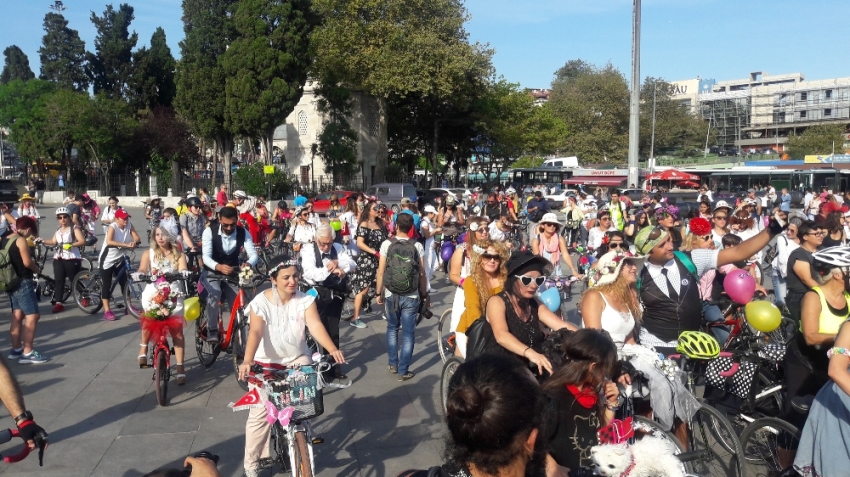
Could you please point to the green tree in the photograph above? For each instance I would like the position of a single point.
(390, 48)
(266, 66)
(63, 110)
(153, 83)
(337, 143)
(62, 54)
(254, 181)
(22, 110)
(17, 66)
(201, 79)
(821, 139)
(528, 162)
(594, 104)
(675, 126)
(164, 143)
(111, 66)
(105, 125)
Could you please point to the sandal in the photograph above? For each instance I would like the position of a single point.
(143, 361)
(181, 377)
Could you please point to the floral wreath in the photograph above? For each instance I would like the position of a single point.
(665, 210)
(479, 249)
(596, 274)
(699, 226)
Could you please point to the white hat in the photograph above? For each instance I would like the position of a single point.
(154, 197)
(429, 209)
(550, 218)
(721, 204)
(607, 268)
(240, 194)
(510, 191)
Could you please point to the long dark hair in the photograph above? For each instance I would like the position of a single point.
(364, 214)
(580, 349)
(492, 406)
(833, 222)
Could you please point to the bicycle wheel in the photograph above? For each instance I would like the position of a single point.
(262, 267)
(133, 298)
(280, 447)
(449, 369)
(85, 264)
(713, 435)
(207, 352)
(445, 337)
(240, 341)
(347, 308)
(769, 445)
(88, 287)
(160, 377)
(301, 456)
(783, 334)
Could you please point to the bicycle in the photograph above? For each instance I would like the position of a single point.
(771, 443)
(161, 350)
(47, 284)
(445, 337)
(6, 435)
(292, 396)
(232, 338)
(87, 288)
(741, 334)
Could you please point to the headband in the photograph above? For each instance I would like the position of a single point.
(284, 264)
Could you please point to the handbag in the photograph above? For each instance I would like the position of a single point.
(772, 252)
(619, 431)
(480, 339)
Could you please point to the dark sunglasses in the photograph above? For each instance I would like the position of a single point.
(657, 232)
(706, 237)
(615, 245)
(720, 217)
(60, 217)
(486, 257)
(228, 226)
(526, 280)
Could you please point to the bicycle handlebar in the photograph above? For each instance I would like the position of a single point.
(170, 277)
(6, 436)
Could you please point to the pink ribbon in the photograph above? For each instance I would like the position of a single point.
(282, 416)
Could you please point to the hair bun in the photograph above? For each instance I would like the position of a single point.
(466, 403)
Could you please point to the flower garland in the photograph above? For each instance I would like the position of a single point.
(596, 274)
(665, 210)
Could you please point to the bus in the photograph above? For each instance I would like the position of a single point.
(737, 180)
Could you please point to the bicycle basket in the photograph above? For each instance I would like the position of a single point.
(739, 384)
(300, 391)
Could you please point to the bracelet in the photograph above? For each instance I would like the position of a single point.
(526, 349)
(462, 280)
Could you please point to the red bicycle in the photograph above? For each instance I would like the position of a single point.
(6, 436)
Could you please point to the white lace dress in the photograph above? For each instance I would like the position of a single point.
(285, 334)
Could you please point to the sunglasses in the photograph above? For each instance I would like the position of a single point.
(483, 230)
(526, 280)
(305, 215)
(657, 232)
(818, 234)
(487, 257)
(720, 217)
(615, 245)
(228, 226)
(706, 237)
(63, 217)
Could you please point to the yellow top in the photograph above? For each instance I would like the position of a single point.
(828, 322)
(472, 307)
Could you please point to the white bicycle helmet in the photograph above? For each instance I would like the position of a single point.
(62, 211)
(832, 257)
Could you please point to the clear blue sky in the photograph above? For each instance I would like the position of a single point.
(681, 39)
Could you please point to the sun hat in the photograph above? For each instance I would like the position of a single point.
(721, 204)
(240, 194)
(429, 209)
(450, 199)
(405, 201)
(24, 197)
(608, 268)
(526, 261)
(550, 218)
(154, 197)
(648, 238)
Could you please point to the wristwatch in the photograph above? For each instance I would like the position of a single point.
(24, 416)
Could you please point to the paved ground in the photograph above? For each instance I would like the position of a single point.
(103, 419)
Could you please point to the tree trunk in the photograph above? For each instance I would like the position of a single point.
(226, 146)
(434, 147)
(382, 153)
(175, 177)
(214, 172)
(268, 140)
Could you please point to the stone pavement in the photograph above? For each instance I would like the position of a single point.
(101, 412)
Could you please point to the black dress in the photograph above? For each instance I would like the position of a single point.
(527, 332)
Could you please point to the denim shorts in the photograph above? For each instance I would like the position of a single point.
(24, 298)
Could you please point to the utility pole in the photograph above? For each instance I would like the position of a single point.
(652, 139)
(634, 113)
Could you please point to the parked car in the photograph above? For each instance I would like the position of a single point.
(429, 196)
(8, 191)
(322, 202)
(391, 193)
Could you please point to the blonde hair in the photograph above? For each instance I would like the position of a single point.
(158, 254)
(690, 242)
(479, 276)
(622, 292)
(470, 239)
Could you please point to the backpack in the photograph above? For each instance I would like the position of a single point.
(9, 279)
(401, 275)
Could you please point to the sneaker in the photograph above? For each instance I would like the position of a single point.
(109, 316)
(339, 385)
(58, 308)
(394, 369)
(212, 336)
(15, 354)
(33, 358)
(358, 323)
(406, 376)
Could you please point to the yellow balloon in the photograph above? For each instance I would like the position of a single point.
(191, 308)
(763, 316)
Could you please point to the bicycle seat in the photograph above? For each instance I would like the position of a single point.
(802, 404)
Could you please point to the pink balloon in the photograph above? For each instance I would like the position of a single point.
(740, 286)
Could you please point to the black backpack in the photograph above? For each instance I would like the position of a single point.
(401, 275)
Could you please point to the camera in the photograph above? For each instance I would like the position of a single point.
(424, 312)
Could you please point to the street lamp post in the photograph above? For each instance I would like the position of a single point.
(634, 113)
(652, 138)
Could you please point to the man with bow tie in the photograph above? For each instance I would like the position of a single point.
(326, 267)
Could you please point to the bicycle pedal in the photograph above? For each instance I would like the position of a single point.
(318, 440)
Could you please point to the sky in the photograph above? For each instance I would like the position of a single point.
(680, 39)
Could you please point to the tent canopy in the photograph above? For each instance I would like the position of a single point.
(672, 175)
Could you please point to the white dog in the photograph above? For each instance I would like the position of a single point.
(648, 457)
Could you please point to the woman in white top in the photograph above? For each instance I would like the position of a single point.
(351, 218)
(459, 269)
(550, 244)
(163, 257)
(66, 260)
(302, 230)
(109, 213)
(786, 243)
(119, 236)
(313, 217)
(280, 318)
(428, 228)
(611, 304)
(27, 207)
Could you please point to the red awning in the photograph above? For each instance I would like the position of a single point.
(597, 180)
(672, 175)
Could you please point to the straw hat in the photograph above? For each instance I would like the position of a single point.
(26, 196)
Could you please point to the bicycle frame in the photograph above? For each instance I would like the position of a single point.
(237, 305)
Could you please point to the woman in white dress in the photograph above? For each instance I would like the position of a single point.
(163, 257)
(280, 318)
(302, 230)
(350, 220)
(428, 228)
(611, 304)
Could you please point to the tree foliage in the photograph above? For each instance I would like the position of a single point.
(337, 143)
(110, 68)
(16, 67)
(254, 181)
(821, 139)
(62, 54)
(22, 110)
(266, 66)
(152, 83)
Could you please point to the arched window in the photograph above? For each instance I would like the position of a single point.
(302, 123)
(373, 122)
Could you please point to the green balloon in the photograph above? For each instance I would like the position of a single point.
(763, 316)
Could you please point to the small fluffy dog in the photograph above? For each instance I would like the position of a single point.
(651, 456)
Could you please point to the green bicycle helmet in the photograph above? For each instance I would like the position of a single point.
(698, 345)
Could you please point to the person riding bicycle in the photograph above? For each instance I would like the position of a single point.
(66, 260)
(222, 242)
(668, 285)
(153, 211)
(550, 244)
(192, 224)
(89, 213)
(326, 267)
(277, 337)
(120, 235)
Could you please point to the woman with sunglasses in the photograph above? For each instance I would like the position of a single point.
(303, 231)
(611, 304)
(550, 244)
(517, 318)
(460, 267)
(574, 217)
(371, 233)
(486, 278)
(744, 226)
(597, 233)
(613, 241)
(800, 275)
(720, 221)
(450, 217)
(641, 220)
(785, 244)
(666, 216)
(66, 260)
